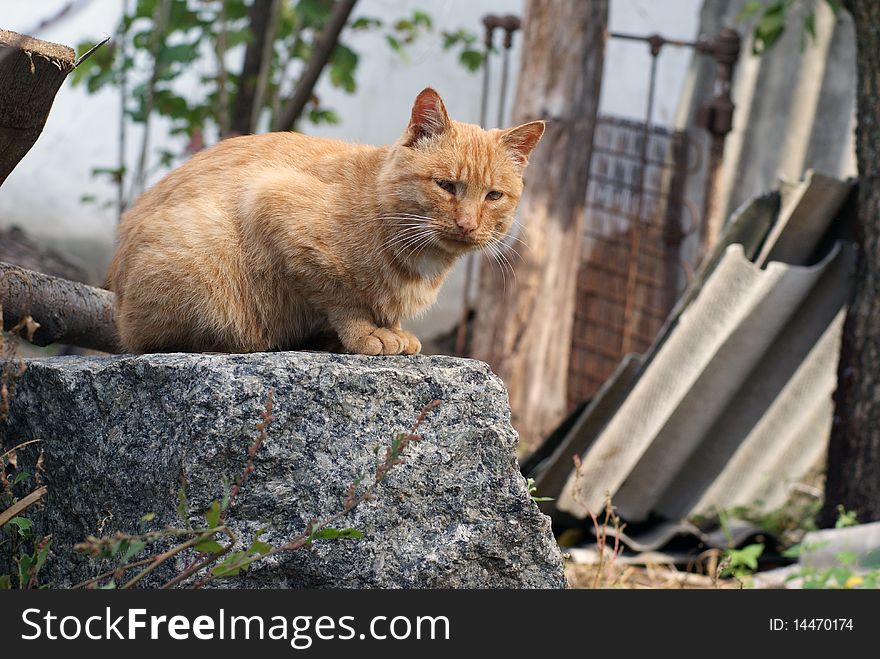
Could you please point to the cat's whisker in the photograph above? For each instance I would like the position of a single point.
(492, 249)
(501, 238)
(401, 215)
(407, 243)
(509, 266)
(405, 240)
(504, 263)
(519, 240)
(428, 240)
(498, 240)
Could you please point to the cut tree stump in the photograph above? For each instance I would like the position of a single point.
(31, 71)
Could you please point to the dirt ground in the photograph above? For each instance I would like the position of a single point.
(637, 577)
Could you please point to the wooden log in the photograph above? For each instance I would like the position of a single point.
(31, 71)
(524, 331)
(66, 311)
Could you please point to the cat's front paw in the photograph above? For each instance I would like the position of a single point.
(410, 342)
(380, 341)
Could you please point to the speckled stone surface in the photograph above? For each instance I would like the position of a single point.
(120, 433)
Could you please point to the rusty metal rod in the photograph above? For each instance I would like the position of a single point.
(635, 227)
(491, 24)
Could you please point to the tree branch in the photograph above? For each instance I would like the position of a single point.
(258, 18)
(265, 64)
(66, 311)
(294, 107)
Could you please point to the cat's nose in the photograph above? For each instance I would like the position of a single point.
(465, 226)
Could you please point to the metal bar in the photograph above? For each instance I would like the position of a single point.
(484, 101)
(511, 24)
(626, 342)
(461, 333)
(678, 43)
(716, 116)
(505, 64)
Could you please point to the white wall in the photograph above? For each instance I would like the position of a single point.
(43, 193)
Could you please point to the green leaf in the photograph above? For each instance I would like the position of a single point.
(472, 59)
(133, 548)
(209, 546)
(42, 555)
(212, 515)
(423, 19)
(182, 503)
(845, 518)
(20, 476)
(394, 43)
(750, 9)
(323, 116)
(770, 27)
(810, 24)
(5, 582)
(808, 29)
(749, 555)
(24, 525)
(847, 558)
(540, 499)
(342, 68)
(233, 564)
(330, 533)
(149, 517)
(366, 23)
(795, 551)
(259, 547)
(24, 568)
(184, 53)
(835, 5)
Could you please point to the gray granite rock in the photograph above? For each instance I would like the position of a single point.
(121, 433)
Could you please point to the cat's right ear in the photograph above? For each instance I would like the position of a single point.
(428, 119)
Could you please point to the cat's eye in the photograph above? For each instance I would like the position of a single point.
(494, 195)
(449, 186)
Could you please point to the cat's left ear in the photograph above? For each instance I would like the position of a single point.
(429, 117)
(522, 140)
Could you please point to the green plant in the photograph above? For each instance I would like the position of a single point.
(530, 484)
(17, 538)
(740, 562)
(19, 489)
(216, 68)
(737, 562)
(849, 572)
(845, 518)
(770, 18)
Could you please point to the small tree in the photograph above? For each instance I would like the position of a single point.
(267, 57)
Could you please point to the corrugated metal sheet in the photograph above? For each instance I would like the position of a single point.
(733, 404)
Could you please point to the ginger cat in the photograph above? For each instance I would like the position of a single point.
(266, 241)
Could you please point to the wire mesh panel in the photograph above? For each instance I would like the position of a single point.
(630, 273)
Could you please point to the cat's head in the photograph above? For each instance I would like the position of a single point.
(454, 184)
